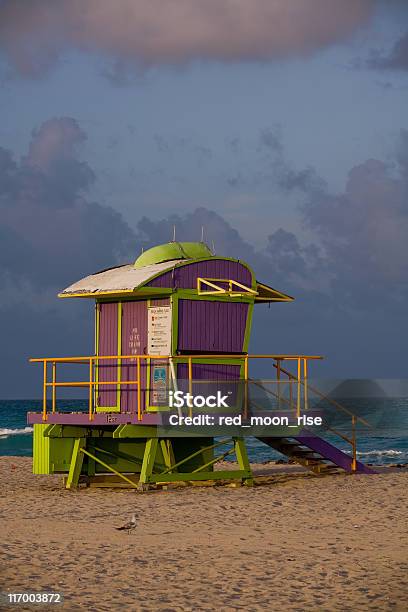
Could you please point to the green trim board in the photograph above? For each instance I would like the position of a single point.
(142, 294)
(248, 327)
(155, 293)
(174, 300)
(191, 294)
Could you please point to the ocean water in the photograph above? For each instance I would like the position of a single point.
(385, 443)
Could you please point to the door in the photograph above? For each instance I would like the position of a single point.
(133, 342)
(107, 395)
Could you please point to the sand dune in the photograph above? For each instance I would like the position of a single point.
(297, 543)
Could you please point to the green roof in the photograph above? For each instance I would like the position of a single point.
(171, 251)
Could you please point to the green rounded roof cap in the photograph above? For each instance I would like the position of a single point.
(173, 250)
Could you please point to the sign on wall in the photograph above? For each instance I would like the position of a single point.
(159, 343)
(159, 330)
(159, 383)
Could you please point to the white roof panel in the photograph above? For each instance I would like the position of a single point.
(116, 280)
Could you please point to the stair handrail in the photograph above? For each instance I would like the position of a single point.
(352, 441)
(325, 397)
(284, 399)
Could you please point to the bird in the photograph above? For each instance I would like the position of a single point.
(128, 526)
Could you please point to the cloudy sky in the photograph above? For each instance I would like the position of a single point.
(280, 126)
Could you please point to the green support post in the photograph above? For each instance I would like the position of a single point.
(168, 455)
(75, 467)
(243, 461)
(148, 461)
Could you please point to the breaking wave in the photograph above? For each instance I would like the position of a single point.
(5, 432)
(390, 452)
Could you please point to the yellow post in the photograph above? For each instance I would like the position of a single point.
(90, 389)
(306, 399)
(190, 380)
(139, 391)
(353, 438)
(298, 389)
(278, 375)
(54, 390)
(246, 387)
(95, 382)
(44, 415)
(290, 382)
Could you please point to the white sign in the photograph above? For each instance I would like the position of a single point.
(159, 330)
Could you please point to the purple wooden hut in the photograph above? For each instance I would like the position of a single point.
(177, 318)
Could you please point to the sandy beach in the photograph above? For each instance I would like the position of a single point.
(294, 542)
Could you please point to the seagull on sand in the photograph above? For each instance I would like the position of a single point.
(128, 526)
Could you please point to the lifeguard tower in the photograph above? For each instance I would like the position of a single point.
(178, 315)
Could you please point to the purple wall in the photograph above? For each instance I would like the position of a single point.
(185, 277)
(211, 327)
(108, 345)
(134, 342)
(211, 371)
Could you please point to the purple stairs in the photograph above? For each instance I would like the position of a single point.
(316, 454)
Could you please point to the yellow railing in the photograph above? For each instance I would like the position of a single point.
(93, 383)
(294, 382)
(213, 286)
